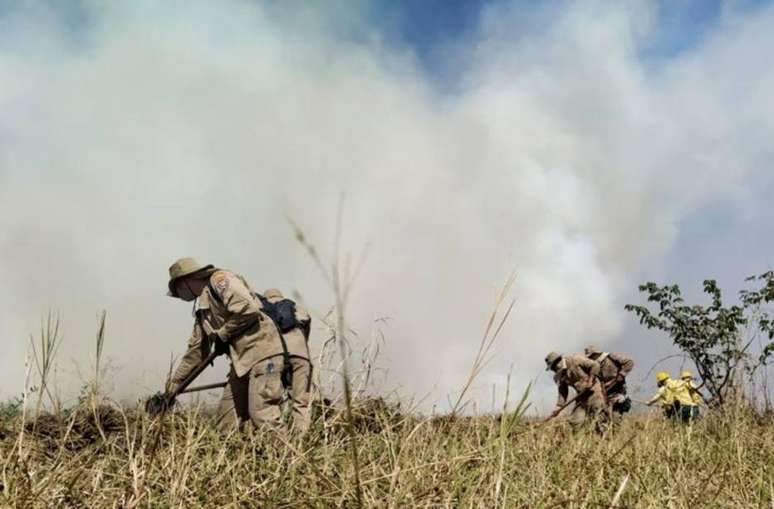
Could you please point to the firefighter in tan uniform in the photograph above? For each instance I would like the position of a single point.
(613, 370)
(580, 373)
(297, 343)
(230, 318)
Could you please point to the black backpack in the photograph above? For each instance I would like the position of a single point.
(282, 313)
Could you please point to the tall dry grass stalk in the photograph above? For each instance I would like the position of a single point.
(494, 325)
(98, 352)
(44, 353)
(340, 277)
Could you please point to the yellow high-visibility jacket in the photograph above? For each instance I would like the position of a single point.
(693, 390)
(671, 391)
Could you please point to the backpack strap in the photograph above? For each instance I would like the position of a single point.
(287, 369)
(215, 295)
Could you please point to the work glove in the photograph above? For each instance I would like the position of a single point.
(158, 403)
(220, 346)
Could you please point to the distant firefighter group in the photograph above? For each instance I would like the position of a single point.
(599, 381)
(679, 398)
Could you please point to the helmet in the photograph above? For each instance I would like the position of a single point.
(552, 359)
(662, 376)
(592, 349)
(686, 375)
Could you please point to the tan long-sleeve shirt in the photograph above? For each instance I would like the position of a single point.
(578, 372)
(227, 310)
(611, 365)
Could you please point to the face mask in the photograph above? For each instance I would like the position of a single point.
(184, 291)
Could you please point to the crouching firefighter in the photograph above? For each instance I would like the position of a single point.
(230, 319)
(613, 369)
(580, 373)
(294, 324)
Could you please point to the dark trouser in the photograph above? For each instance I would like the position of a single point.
(682, 413)
(620, 403)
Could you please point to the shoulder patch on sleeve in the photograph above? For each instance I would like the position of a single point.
(220, 280)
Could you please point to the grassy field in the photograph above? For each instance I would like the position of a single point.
(104, 456)
(100, 454)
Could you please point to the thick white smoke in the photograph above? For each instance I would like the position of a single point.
(154, 132)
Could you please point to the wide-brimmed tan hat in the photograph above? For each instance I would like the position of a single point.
(186, 267)
(273, 293)
(551, 359)
(592, 349)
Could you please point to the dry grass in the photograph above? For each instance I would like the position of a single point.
(405, 461)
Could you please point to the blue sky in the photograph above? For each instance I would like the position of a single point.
(427, 25)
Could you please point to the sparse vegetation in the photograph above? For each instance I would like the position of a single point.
(724, 342)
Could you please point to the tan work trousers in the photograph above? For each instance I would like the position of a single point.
(300, 392)
(590, 407)
(255, 397)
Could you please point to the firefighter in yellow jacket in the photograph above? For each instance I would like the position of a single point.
(675, 398)
(229, 317)
(693, 389)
